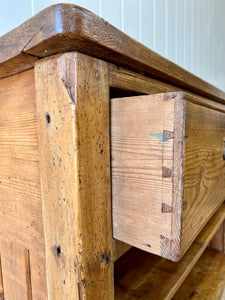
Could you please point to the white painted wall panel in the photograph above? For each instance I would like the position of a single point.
(147, 23)
(92, 5)
(41, 4)
(171, 30)
(111, 12)
(131, 18)
(13, 13)
(189, 32)
(160, 26)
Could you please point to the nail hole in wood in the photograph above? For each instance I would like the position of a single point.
(48, 118)
(58, 251)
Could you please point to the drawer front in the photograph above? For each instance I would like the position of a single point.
(167, 170)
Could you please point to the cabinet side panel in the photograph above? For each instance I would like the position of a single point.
(204, 169)
(20, 197)
(21, 223)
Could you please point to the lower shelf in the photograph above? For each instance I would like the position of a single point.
(140, 275)
(206, 280)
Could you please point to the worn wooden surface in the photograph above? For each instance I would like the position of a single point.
(204, 168)
(83, 31)
(167, 165)
(73, 118)
(206, 281)
(20, 197)
(1, 282)
(137, 164)
(15, 270)
(21, 227)
(38, 276)
(128, 82)
(141, 275)
(218, 241)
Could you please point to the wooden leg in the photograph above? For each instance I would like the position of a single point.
(72, 94)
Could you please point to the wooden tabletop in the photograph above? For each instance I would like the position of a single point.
(66, 27)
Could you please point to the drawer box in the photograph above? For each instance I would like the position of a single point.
(168, 170)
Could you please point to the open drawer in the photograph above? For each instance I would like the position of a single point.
(168, 170)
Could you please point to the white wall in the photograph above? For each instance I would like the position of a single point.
(191, 33)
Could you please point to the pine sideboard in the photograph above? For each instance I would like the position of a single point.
(112, 168)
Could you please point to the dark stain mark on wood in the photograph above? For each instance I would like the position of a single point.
(80, 289)
(166, 172)
(169, 96)
(106, 257)
(166, 208)
(69, 91)
(58, 251)
(147, 245)
(48, 118)
(167, 135)
(184, 205)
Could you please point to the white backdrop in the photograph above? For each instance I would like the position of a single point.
(191, 33)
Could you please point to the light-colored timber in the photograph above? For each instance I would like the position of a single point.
(21, 210)
(141, 275)
(167, 165)
(206, 281)
(1, 282)
(218, 241)
(73, 123)
(15, 270)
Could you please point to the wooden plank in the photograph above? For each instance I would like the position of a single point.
(217, 241)
(41, 36)
(120, 248)
(167, 165)
(20, 195)
(38, 276)
(139, 275)
(15, 270)
(1, 283)
(137, 163)
(204, 171)
(206, 280)
(128, 81)
(73, 117)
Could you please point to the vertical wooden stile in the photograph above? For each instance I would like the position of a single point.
(72, 93)
(1, 282)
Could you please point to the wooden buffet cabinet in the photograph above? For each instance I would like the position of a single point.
(106, 145)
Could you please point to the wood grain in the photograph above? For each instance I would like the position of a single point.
(206, 280)
(218, 241)
(20, 196)
(127, 81)
(38, 276)
(204, 169)
(15, 270)
(83, 31)
(73, 118)
(141, 275)
(1, 282)
(167, 165)
(137, 162)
